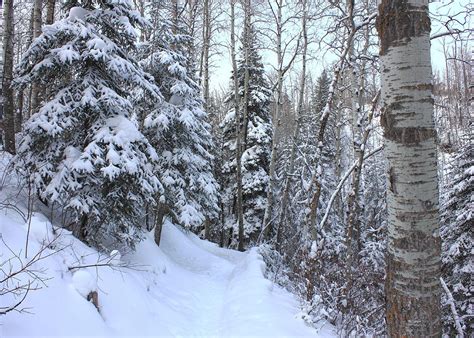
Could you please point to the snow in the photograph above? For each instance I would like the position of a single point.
(84, 282)
(77, 13)
(185, 287)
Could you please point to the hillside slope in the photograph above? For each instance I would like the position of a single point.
(186, 287)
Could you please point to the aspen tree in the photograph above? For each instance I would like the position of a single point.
(413, 258)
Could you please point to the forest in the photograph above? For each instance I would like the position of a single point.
(292, 167)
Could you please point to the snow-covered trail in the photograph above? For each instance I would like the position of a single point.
(204, 281)
(226, 292)
(187, 287)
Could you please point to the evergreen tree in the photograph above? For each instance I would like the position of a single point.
(457, 233)
(321, 92)
(82, 147)
(257, 139)
(177, 127)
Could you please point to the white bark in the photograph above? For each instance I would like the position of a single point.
(302, 87)
(246, 98)
(413, 257)
(238, 148)
(267, 224)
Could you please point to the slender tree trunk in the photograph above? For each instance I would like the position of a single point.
(50, 7)
(246, 42)
(267, 219)
(359, 141)
(315, 187)
(205, 62)
(160, 213)
(19, 111)
(206, 46)
(296, 134)
(352, 205)
(238, 126)
(37, 21)
(413, 259)
(8, 105)
(175, 13)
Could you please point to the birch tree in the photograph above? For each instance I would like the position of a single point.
(282, 24)
(296, 133)
(413, 258)
(240, 212)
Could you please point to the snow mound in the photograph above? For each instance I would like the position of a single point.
(84, 282)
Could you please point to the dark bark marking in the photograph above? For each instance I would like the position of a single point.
(398, 22)
(405, 135)
(392, 179)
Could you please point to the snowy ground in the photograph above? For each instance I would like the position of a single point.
(187, 287)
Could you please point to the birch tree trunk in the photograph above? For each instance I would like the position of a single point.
(267, 219)
(296, 134)
(206, 45)
(413, 259)
(238, 126)
(8, 106)
(359, 141)
(246, 43)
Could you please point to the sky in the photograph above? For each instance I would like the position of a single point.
(220, 74)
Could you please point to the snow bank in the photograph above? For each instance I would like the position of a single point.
(185, 287)
(188, 287)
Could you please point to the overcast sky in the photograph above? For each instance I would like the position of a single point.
(220, 74)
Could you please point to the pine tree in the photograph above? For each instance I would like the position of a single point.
(177, 127)
(257, 139)
(457, 235)
(321, 93)
(82, 147)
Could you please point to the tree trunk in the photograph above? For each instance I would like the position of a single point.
(50, 6)
(19, 111)
(294, 144)
(238, 126)
(205, 61)
(267, 219)
(244, 110)
(37, 21)
(8, 105)
(160, 211)
(413, 259)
